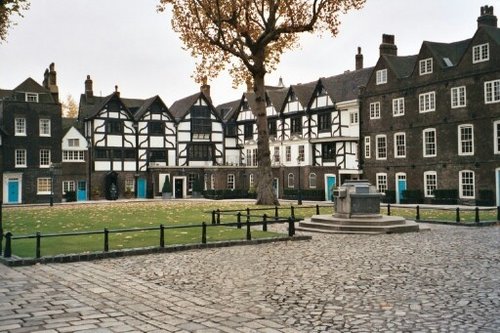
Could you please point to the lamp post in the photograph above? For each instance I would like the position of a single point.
(51, 184)
(299, 194)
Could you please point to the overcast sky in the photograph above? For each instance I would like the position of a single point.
(127, 43)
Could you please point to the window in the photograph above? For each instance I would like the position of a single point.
(249, 157)
(458, 99)
(467, 184)
(74, 156)
(248, 131)
(44, 158)
(465, 140)
(325, 122)
(201, 124)
(20, 126)
(353, 118)
(254, 157)
(296, 125)
(101, 154)
(191, 177)
(480, 53)
(157, 156)
(251, 180)
(114, 127)
(367, 147)
(381, 76)
(230, 181)
(492, 91)
(44, 127)
(381, 150)
(291, 180)
(300, 158)
(312, 180)
(430, 183)
(429, 142)
(212, 181)
(200, 152)
(375, 110)
(130, 184)
(68, 186)
(425, 66)
(381, 182)
(496, 137)
(31, 97)
(288, 151)
(427, 102)
(400, 145)
(328, 151)
(271, 123)
(276, 154)
(398, 107)
(44, 186)
(231, 128)
(73, 142)
(156, 128)
(20, 158)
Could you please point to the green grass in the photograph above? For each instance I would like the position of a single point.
(466, 216)
(79, 218)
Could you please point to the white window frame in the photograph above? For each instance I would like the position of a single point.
(378, 147)
(68, 186)
(312, 180)
(427, 102)
(20, 126)
(230, 181)
(398, 107)
(288, 153)
(429, 187)
(20, 158)
(396, 151)
(462, 185)
(464, 143)
(73, 155)
(31, 97)
(301, 153)
(375, 110)
(212, 181)
(480, 53)
(492, 91)
(48, 183)
(458, 97)
(45, 158)
(251, 180)
(129, 183)
(353, 118)
(73, 142)
(496, 137)
(381, 76)
(381, 182)
(424, 142)
(425, 66)
(367, 147)
(44, 125)
(290, 180)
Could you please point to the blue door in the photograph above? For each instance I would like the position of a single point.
(81, 192)
(330, 185)
(401, 187)
(13, 188)
(141, 188)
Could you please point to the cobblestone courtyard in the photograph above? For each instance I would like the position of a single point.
(443, 280)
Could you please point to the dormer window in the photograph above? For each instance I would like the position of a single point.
(480, 53)
(425, 66)
(31, 97)
(381, 76)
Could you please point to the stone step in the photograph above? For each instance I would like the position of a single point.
(366, 221)
(404, 226)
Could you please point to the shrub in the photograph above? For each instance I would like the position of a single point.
(167, 186)
(445, 197)
(486, 198)
(390, 197)
(412, 197)
(70, 196)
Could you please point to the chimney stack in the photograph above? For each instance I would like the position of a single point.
(89, 92)
(281, 84)
(116, 90)
(50, 81)
(46, 79)
(487, 18)
(359, 59)
(205, 88)
(388, 47)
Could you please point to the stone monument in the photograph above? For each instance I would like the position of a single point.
(357, 210)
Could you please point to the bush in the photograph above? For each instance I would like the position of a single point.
(306, 194)
(486, 198)
(412, 197)
(167, 186)
(445, 197)
(390, 197)
(70, 196)
(225, 194)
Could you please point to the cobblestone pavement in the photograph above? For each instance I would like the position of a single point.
(443, 280)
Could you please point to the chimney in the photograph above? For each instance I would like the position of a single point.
(388, 47)
(46, 79)
(487, 18)
(359, 59)
(205, 88)
(89, 93)
(116, 90)
(52, 81)
(280, 83)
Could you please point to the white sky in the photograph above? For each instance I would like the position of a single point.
(127, 43)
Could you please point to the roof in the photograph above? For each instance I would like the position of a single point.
(345, 87)
(493, 32)
(278, 97)
(304, 92)
(67, 123)
(30, 85)
(401, 66)
(5, 93)
(88, 105)
(452, 51)
(227, 110)
(181, 107)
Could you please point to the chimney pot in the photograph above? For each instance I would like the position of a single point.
(359, 59)
(89, 93)
(388, 46)
(487, 18)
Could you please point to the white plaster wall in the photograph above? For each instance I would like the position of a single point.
(102, 166)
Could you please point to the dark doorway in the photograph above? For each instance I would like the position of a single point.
(112, 185)
(178, 184)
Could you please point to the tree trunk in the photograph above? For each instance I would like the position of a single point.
(265, 193)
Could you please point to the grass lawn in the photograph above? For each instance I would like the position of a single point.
(78, 218)
(466, 216)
